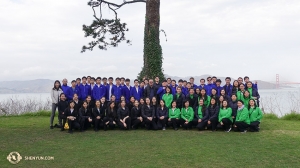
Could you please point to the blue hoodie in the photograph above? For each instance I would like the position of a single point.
(65, 88)
(99, 92)
(126, 92)
(84, 91)
(117, 91)
(137, 95)
(71, 91)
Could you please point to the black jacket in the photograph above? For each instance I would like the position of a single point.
(148, 111)
(77, 105)
(234, 90)
(97, 112)
(111, 113)
(135, 113)
(193, 101)
(211, 113)
(75, 113)
(85, 113)
(196, 115)
(130, 105)
(122, 113)
(62, 105)
(179, 100)
(148, 90)
(162, 112)
(234, 107)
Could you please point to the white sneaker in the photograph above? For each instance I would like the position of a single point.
(244, 132)
(228, 130)
(164, 128)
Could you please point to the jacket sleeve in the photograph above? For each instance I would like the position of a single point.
(146, 92)
(119, 114)
(206, 115)
(191, 115)
(259, 115)
(52, 96)
(143, 112)
(177, 113)
(182, 116)
(132, 114)
(94, 112)
(244, 115)
(229, 114)
(160, 90)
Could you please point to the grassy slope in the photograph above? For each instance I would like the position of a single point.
(277, 145)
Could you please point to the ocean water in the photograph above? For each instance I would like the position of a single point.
(278, 101)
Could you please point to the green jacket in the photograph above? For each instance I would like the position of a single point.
(206, 102)
(199, 112)
(175, 113)
(187, 114)
(255, 114)
(168, 98)
(243, 115)
(225, 113)
(246, 101)
(239, 95)
(250, 91)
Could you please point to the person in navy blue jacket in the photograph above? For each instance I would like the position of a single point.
(228, 87)
(142, 86)
(209, 86)
(126, 90)
(254, 85)
(184, 88)
(64, 85)
(173, 87)
(136, 91)
(218, 86)
(109, 88)
(162, 115)
(84, 89)
(202, 85)
(72, 90)
(192, 79)
(78, 82)
(99, 90)
(214, 80)
(162, 90)
(117, 90)
(169, 80)
(211, 116)
(92, 85)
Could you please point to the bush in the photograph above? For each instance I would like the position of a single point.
(291, 116)
(270, 116)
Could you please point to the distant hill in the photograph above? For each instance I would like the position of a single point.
(44, 85)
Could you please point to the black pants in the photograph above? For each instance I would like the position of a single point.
(174, 123)
(85, 124)
(240, 126)
(213, 124)
(135, 123)
(226, 124)
(161, 123)
(201, 125)
(73, 124)
(184, 125)
(254, 126)
(63, 122)
(128, 124)
(150, 124)
(98, 124)
(110, 124)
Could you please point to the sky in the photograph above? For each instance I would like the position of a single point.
(42, 39)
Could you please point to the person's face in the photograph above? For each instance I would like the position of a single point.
(246, 80)
(242, 87)
(209, 80)
(179, 83)
(164, 84)
(156, 79)
(174, 104)
(184, 84)
(224, 103)
(148, 101)
(84, 105)
(249, 85)
(186, 104)
(146, 82)
(233, 97)
(65, 82)
(214, 80)
(122, 98)
(213, 91)
(62, 97)
(142, 84)
(112, 105)
(221, 98)
(142, 101)
(168, 90)
(240, 104)
(102, 100)
(118, 82)
(203, 92)
(161, 103)
(154, 100)
(218, 83)
(136, 83)
(240, 80)
(123, 103)
(56, 84)
(169, 81)
(173, 83)
(212, 101)
(151, 82)
(227, 81)
(191, 80)
(88, 99)
(132, 99)
(202, 82)
(78, 82)
(97, 103)
(98, 81)
(110, 81)
(88, 79)
(198, 91)
(104, 81)
(192, 91)
(84, 80)
(127, 83)
(122, 81)
(72, 105)
(178, 90)
(136, 103)
(246, 94)
(188, 85)
(201, 102)
(113, 98)
(73, 84)
(236, 83)
(251, 102)
(222, 92)
(75, 97)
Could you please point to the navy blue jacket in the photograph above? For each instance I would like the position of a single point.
(173, 89)
(137, 95)
(162, 112)
(84, 91)
(194, 86)
(179, 100)
(71, 91)
(209, 87)
(126, 93)
(185, 91)
(228, 90)
(234, 107)
(219, 88)
(117, 91)
(254, 86)
(211, 113)
(161, 91)
(193, 102)
(99, 92)
(203, 87)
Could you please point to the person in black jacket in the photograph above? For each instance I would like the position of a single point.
(234, 107)
(73, 117)
(110, 116)
(124, 120)
(62, 105)
(103, 105)
(130, 105)
(235, 87)
(199, 112)
(179, 97)
(136, 115)
(214, 94)
(162, 115)
(99, 116)
(255, 95)
(211, 116)
(85, 113)
(154, 104)
(148, 114)
(77, 102)
(192, 98)
(151, 90)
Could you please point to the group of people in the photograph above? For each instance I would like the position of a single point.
(151, 104)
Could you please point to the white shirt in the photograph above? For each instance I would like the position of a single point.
(137, 89)
(109, 92)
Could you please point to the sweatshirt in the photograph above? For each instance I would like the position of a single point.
(168, 98)
(225, 113)
(255, 114)
(174, 113)
(187, 113)
(243, 115)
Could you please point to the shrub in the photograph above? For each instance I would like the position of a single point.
(270, 116)
(291, 116)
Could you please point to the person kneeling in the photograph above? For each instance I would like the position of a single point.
(174, 115)
(124, 121)
(225, 119)
(99, 116)
(256, 115)
(187, 115)
(242, 118)
(148, 113)
(162, 115)
(73, 116)
(136, 118)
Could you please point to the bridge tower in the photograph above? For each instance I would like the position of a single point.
(277, 81)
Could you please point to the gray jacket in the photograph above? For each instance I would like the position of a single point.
(55, 95)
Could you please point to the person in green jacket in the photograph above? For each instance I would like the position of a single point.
(255, 115)
(240, 93)
(205, 97)
(168, 97)
(246, 98)
(187, 115)
(199, 113)
(242, 118)
(225, 119)
(174, 116)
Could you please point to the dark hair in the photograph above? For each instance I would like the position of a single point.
(245, 92)
(111, 78)
(83, 77)
(174, 101)
(162, 101)
(61, 94)
(214, 105)
(118, 78)
(224, 91)
(146, 79)
(94, 78)
(241, 101)
(227, 103)
(59, 87)
(203, 106)
(249, 106)
(73, 81)
(202, 80)
(122, 78)
(98, 78)
(246, 77)
(70, 103)
(184, 81)
(136, 80)
(185, 102)
(84, 102)
(78, 79)
(164, 81)
(146, 99)
(192, 78)
(180, 80)
(88, 77)
(127, 80)
(168, 87)
(241, 84)
(214, 77)
(228, 78)
(234, 82)
(205, 95)
(168, 78)
(104, 78)
(218, 80)
(208, 78)
(174, 80)
(240, 78)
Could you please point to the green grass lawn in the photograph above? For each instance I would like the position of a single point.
(277, 145)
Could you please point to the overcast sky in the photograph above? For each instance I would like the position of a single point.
(43, 39)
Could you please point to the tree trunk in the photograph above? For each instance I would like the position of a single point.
(152, 49)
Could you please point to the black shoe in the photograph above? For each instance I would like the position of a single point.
(70, 132)
(55, 125)
(51, 127)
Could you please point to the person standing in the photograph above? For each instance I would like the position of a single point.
(136, 91)
(150, 90)
(109, 89)
(55, 93)
(126, 90)
(84, 89)
(72, 90)
(117, 90)
(179, 97)
(65, 86)
(62, 105)
(168, 97)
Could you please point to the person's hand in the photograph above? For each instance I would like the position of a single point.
(125, 125)
(90, 120)
(234, 126)
(150, 118)
(186, 120)
(141, 119)
(114, 122)
(222, 123)
(164, 87)
(208, 122)
(199, 120)
(169, 119)
(98, 117)
(232, 117)
(63, 113)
